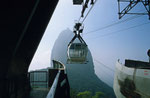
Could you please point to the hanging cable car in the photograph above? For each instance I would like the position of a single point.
(77, 51)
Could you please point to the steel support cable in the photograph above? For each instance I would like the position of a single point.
(120, 30)
(113, 24)
(110, 76)
(79, 19)
(101, 62)
(104, 65)
(87, 12)
(107, 76)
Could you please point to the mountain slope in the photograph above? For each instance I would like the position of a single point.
(81, 77)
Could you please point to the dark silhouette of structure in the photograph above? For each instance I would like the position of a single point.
(22, 25)
(130, 5)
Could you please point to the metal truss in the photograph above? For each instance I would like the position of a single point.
(131, 4)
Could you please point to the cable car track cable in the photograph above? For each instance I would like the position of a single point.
(89, 11)
(106, 72)
(113, 24)
(120, 30)
(104, 65)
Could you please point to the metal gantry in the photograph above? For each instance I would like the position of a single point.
(131, 4)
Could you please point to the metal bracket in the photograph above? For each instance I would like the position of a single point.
(77, 31)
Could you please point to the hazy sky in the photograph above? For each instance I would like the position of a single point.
(127, 38)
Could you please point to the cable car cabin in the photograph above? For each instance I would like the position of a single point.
(77, 53)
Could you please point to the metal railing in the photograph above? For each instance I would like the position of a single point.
(60, 87)
(52, 91)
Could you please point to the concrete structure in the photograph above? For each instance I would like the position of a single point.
(132, 80)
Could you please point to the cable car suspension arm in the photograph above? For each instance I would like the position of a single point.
(77, 31)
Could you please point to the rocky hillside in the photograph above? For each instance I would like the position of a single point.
(81, 77)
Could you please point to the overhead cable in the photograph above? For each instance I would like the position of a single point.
(120, 30)
(89, 11)
(113, 24)
(104, 65)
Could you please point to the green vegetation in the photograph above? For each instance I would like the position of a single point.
(85, 94)
(98, 95)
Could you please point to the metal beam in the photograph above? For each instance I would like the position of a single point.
(131, 5)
